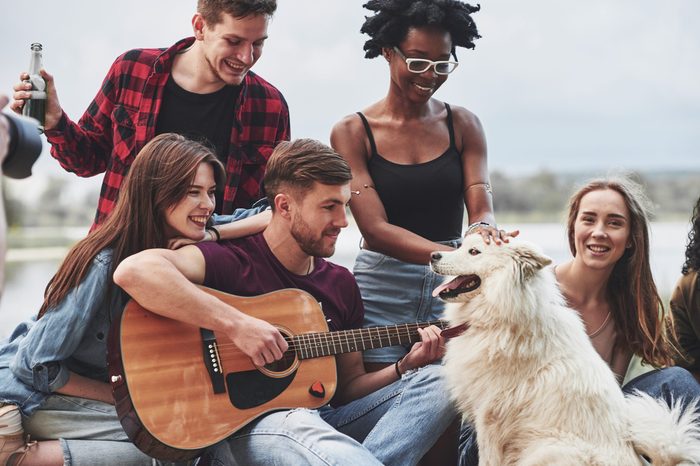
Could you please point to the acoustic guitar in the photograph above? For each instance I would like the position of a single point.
(179, 388)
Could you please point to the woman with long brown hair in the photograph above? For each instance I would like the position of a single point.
(609, 282)
(53, 369)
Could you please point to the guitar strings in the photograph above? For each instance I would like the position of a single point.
(363, 334)
(316, 342)
(328, 342)
(344, 337)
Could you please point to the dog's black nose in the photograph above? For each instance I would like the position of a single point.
(435, 256)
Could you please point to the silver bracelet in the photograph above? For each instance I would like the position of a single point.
(475, 225)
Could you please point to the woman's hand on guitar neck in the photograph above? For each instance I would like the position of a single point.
(430, 348)
(258, 339)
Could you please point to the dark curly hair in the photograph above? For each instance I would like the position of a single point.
(393, 18)
(692, 251)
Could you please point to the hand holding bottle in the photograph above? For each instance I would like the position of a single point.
(23, 91)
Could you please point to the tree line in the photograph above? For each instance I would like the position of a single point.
(538, 197)
(543, 196)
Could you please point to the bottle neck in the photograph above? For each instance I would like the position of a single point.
(35, 62)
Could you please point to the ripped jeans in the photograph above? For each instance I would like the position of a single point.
(395, 425)
(89, 431)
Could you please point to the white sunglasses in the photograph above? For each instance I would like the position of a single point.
(421, 65)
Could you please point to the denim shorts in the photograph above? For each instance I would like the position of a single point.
(394, 292)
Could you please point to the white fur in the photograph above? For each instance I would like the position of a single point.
(526, 375)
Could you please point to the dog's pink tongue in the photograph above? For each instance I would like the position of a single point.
(444, 286)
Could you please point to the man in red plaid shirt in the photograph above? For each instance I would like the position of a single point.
(201, 87)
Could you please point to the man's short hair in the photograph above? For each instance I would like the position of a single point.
(298, 164)
(211, 10)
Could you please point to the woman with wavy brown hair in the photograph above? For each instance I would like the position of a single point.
(609, 279)
(53, 369)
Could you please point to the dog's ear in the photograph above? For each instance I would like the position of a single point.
(530, 259)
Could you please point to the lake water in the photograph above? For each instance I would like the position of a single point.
(26, 279)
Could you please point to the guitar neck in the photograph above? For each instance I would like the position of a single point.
(316, 345)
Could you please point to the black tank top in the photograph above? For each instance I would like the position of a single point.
(424, 198)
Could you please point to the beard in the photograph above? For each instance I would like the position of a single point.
(311, 244)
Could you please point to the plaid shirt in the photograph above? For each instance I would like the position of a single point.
(122, 119)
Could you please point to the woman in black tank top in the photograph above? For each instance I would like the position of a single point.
(416, 163)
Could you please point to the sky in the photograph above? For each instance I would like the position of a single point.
(563, 85)
(596, 85)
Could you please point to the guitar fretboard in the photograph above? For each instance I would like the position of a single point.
(315, 345)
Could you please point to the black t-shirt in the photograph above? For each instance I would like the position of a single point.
(207, 118)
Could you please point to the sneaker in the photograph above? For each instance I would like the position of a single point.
(12, 441)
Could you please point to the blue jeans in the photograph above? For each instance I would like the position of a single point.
(670, 384)
(89, 432)
(395, 425)
(394, 292)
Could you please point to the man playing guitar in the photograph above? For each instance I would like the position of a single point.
(392, 416)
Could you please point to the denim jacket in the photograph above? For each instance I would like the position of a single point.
(71, 337)
(239, 214)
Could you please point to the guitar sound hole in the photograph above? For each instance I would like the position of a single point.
(283, 364)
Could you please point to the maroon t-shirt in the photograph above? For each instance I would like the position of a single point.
(247, 267)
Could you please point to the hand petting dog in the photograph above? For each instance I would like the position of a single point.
(488, 231)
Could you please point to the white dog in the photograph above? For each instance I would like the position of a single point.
(527, 377)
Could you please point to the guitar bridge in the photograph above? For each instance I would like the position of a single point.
(212, 361)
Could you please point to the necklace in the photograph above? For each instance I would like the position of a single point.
(602, 326)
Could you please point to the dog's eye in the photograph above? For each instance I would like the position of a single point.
(474, 251)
